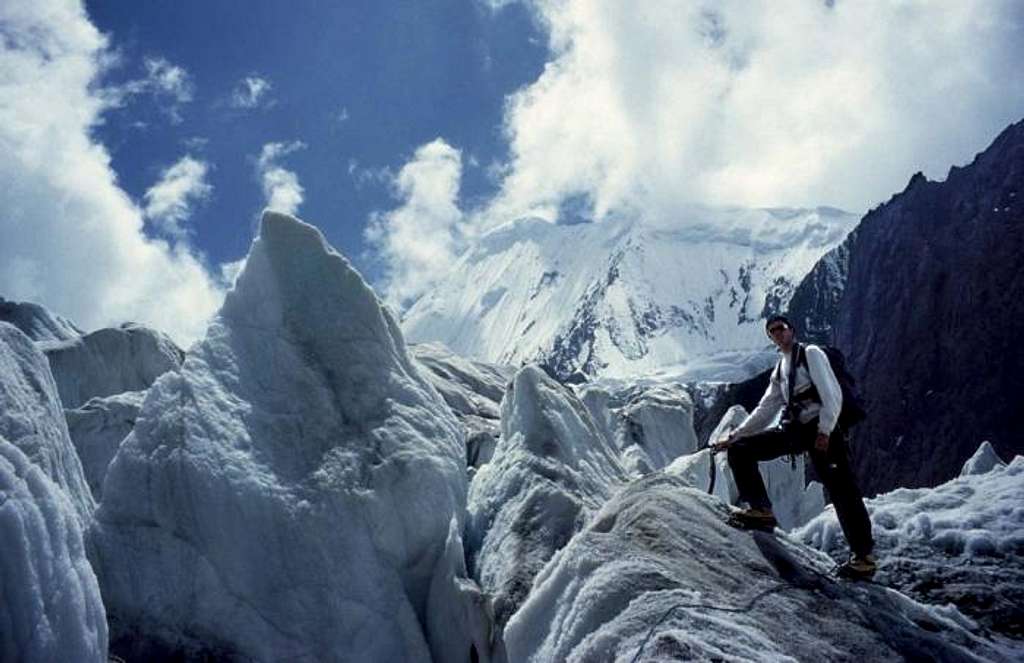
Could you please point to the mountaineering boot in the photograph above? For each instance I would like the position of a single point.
(858, 567)
(761, 519)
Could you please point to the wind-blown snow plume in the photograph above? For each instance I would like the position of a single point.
(86, 255)
(280, 186)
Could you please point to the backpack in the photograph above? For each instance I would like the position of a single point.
(853, 411)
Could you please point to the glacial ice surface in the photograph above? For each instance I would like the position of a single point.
(50, 605)
(961, 542)
(31, 417)
(110, 361)
(658, 574)
(550, 471)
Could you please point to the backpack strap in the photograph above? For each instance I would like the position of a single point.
(794, 360)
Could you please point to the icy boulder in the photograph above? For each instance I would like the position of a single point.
(36, 322)
(31, 417)
(659, 576)
(97, 429)
(551, 470)
(473, 390)
(288, 493)
(984, 460)
(50, 606)
(961, 542)
(110, 361)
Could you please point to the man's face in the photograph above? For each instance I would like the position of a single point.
(780, 333)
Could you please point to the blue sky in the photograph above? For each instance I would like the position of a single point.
(360, 84)
(140, 140)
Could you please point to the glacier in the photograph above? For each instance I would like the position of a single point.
(287, 492)
(302, 485)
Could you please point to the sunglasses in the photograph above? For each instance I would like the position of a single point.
(776, 328)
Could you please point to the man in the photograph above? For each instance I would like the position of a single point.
(810, 414)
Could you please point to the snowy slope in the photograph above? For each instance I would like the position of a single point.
(625, 296)
(294, 491)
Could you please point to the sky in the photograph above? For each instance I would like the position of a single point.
(140, 141)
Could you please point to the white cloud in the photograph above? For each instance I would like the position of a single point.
(170, 201)
(280, 186)
(648, 107)
(169, 83)
(250, 92)
(70, 238)
(420, 239)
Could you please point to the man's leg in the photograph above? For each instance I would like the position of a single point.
(834, 470)
(744, 455)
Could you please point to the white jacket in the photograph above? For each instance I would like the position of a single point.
(817, 372)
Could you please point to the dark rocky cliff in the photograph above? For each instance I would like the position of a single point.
(926, 298)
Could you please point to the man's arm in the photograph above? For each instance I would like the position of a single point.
(828, 389)
(762, 415)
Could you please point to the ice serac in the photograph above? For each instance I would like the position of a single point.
(649, 425)
(473, 390)
(985, 459)
(110, 361)
(552, 468)
(97, 429)
(961, 542)
(37, 322)
(658, 569)
(288, 493)
(50, 605)
(31, 418)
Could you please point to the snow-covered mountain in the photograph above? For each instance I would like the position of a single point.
(627, 296)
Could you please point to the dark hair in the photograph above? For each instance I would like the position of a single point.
(778, 318)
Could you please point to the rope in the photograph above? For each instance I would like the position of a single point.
(776, 588)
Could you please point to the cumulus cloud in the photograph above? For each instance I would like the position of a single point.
(281, 187)
(648, 108)
(170, 201)
(70, 238)
(250, 92)
(420, 239)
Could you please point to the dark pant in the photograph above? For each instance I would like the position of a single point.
(832, 467)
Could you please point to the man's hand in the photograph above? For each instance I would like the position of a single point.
(821, 442)
(723, 443)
